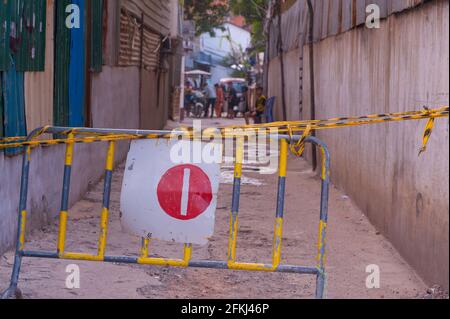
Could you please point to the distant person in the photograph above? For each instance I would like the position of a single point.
(257, 113)
(245, 98)
(205, 92)
(220, 99)
(232, 101)
(225, 101)
(188, 97)
(212, 97)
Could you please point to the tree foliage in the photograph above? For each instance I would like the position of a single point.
(211, 14)
(254, 12)
(207, 14)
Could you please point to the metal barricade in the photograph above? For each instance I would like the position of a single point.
(112, 136)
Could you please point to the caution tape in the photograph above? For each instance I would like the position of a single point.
(299, 147)
(84, 140)
(12, 139)
(427, 134)
(289, 127)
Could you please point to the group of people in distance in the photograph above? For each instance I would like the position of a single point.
(221, 98)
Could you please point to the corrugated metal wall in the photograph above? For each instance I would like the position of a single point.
(14, 105)
(22, 34)
(39, 85)
(62, 60)
(138, 47)
(331, 17)
(71, 60)
(5, 26)
(96, 35)
(31, 28)
(1, 107)
(77, 69)
(156, 13)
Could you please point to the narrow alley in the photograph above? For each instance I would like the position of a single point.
(223, 151)
(353, 246)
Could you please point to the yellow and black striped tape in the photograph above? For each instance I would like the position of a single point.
(290, 127)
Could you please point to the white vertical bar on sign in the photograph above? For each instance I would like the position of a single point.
(185, 192)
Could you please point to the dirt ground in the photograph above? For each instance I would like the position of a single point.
(353, 244)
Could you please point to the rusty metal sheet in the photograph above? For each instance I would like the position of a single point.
(156, 13)
(132, 39)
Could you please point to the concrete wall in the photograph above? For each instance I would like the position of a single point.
(402, 66)
(115, 104)
(154, 100)
(292, 69)
(115, 98)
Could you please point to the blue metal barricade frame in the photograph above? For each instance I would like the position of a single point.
(143, 258)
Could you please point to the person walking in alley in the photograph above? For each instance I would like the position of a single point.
(220, 98)
(212, 97)
(257, 112)
(206, 97)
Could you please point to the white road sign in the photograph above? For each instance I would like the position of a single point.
(165, 200)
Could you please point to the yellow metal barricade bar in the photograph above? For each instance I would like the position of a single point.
(234, 217)
(65, 197)
(278, 232)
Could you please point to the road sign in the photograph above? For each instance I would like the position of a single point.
(166, 200)
(184, 192)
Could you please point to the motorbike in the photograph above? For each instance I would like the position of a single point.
(198, 103)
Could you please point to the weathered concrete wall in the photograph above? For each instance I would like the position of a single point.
(115, 104)
(402, 66)
(154, 105)
(115, 98)
(293, 71)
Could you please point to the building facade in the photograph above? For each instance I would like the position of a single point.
(97, 63)
(208, 52)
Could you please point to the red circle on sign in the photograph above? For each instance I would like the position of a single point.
(184, 192)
